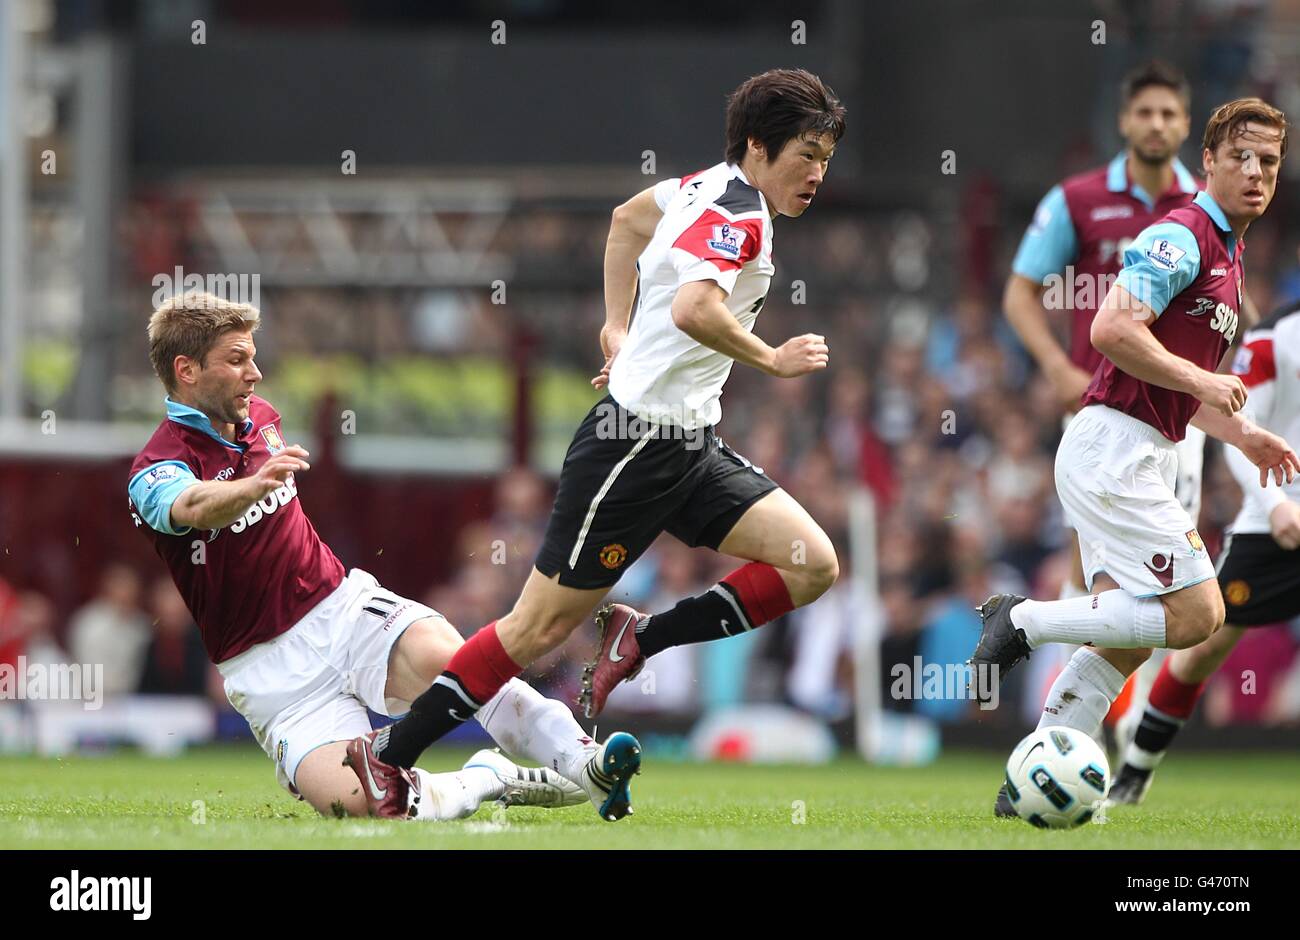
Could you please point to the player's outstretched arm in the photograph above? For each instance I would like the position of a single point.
(699, 312)
(1023, 305)
(631, 227)
(217, 503)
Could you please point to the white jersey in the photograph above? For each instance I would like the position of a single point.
(1269, 365)
(716, 227)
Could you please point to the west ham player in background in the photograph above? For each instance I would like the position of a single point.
(304, 647)
(1078, 237)
(646, 459)
(1164, 327)
(1259, 572)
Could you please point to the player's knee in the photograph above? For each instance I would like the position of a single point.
(542, 631)
(826, 572)
(1196, 626)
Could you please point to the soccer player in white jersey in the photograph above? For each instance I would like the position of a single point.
(646, 459)
(1259, 571)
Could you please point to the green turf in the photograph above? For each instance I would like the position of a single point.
(127, 801)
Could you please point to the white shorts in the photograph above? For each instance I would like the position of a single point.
(312, 684)
(1191, 464)
(1115, 476)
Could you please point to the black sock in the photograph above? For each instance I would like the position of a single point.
(1156, 732)
(442, 708)
(709, 616)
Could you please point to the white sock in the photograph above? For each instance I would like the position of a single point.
(531, 727)
(455, 795)
(1142, 682)
(1082, 694)
(1111, 620)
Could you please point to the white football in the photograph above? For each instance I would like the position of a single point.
(1057, 778)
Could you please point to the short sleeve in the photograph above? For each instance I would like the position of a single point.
(715, 248)
(1050, 242)
(664, 191)
(1160, 263)
(154, 489)
(1255, 362)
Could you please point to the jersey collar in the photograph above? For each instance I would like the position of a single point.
(193, 418)
(740, 174)
(1117, 179)
(1211, 208)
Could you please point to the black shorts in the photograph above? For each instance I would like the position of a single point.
(1260, 581)
(625, 481)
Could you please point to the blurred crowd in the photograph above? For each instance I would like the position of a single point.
(930, 408)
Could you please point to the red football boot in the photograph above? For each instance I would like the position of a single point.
(618, 660)
(387, 788)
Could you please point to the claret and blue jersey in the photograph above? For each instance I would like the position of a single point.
(254, 579)
(1080, 231)
(1188, 269)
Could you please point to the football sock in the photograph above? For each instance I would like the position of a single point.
(1111, 619)
(475, 673)
(1143, 679)
(1170, 705)
(747, 598)
(1081, 695)
(454, 795)
(528, 725)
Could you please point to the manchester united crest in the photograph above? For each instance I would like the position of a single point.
(1236, 593)
(612, 556)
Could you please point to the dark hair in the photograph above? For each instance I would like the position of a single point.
(1229, 121)
(777, 106)
(1158, 73)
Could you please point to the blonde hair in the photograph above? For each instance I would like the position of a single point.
(189, 324)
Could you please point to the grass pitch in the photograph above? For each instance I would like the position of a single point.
(226, 798)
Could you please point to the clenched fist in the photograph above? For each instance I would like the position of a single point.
(801, 355)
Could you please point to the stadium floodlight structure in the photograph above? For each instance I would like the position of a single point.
(13, 210)
(354, 233)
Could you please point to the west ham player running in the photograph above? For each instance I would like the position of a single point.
(1259, 572)
(646, 459)
(303, 647)
(1163, 328)
(1078, 237)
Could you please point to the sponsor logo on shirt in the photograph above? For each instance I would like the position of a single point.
(1225, 322)
(1218, 272)
(1102, 213)
(266, 506)
(225, 474)
(1165, 254)
(1203, 305)
(727, 240)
